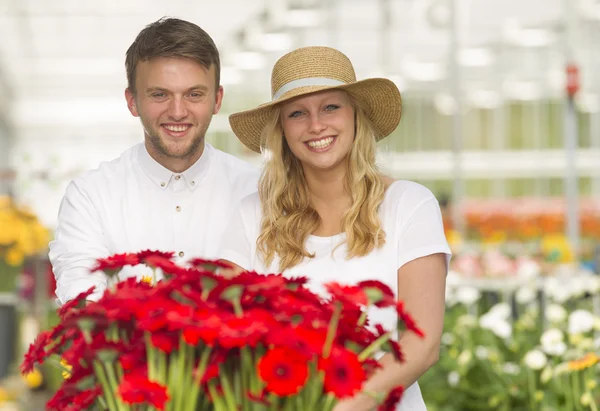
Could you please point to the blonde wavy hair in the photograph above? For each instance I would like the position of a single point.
(288, 216)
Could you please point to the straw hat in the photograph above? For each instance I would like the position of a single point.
(311, 69)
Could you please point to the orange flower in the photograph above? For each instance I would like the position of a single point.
(587, 361)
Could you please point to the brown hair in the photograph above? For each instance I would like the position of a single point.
(172, 37)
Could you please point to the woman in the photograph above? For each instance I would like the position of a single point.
(324, 211)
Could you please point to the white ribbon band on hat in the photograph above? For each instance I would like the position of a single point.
(303, 82)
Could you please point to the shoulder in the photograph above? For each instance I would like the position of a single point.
(107, 172)
(233, 168)
(407, 194)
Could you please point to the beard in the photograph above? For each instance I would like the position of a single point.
(178, 151)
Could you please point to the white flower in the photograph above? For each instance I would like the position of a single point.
(580, 321)
(557, 290)
(553, 342)
(464, 358)
(592, 284)
(496, 324)
(528, 269)
(501, 310)
(535, 359)
(481, 352)
(525, 295)
(467, 295)
(556, 313)
(546, 375)
(448, 339)
(511, 368)
(453, 378)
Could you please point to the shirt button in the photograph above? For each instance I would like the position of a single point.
(193, 182)
(177, 177)
(163, 184)
(178, 209)
(181, 254)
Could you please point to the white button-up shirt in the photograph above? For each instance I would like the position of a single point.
(133, 203)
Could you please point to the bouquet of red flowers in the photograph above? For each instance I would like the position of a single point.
(196, 340)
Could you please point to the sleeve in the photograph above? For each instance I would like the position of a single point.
(77, 243)
(238, 241)
(422, 233)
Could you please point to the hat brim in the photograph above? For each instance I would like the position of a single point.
(380, 97)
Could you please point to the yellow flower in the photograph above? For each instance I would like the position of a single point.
(146, 279)
(587, 361)
(586, 399)
(556, 248)
(591, 384)
(494, 401)
(14, 257)
(34, 379)
(66, 373)
(539, 396)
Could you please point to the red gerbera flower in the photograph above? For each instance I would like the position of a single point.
(347, 294)
(135, 389)
(143, 255)
(36, 352)
(344, 374)
(284, 371)
(76, 302)
(406, 321)
(379, 294)
(113, 264)
(392, 399)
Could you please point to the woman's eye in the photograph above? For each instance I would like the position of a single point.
(294, 114)
(331, 107)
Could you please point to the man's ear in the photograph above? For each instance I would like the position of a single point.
(131, 104)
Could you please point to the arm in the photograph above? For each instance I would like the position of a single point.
(77, 243)
(425, 301)
(422, 267)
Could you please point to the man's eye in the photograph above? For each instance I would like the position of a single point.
(158, 95)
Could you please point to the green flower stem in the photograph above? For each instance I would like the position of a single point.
(112, 379)
(329, 402)
(162, 367)
(592, 374)
(532, 388)
(569, 399)
(216, 399)
(331, 329)
(151, 353)
(362, 319)
(196, 382)
(375, 345)
(179, 372)
(576, 390)
(228, 392)
(109, 394)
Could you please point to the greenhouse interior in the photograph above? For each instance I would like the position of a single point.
(500, 120)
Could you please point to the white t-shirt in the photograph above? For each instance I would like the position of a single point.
(133, 203)
(412, 221)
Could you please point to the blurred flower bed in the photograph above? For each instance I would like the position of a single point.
(517, 355)
(22, 236)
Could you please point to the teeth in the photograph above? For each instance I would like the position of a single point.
(321, 143)
(176, 128)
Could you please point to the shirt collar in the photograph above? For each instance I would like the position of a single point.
(162, 176)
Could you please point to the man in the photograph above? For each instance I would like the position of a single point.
(171, 193)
